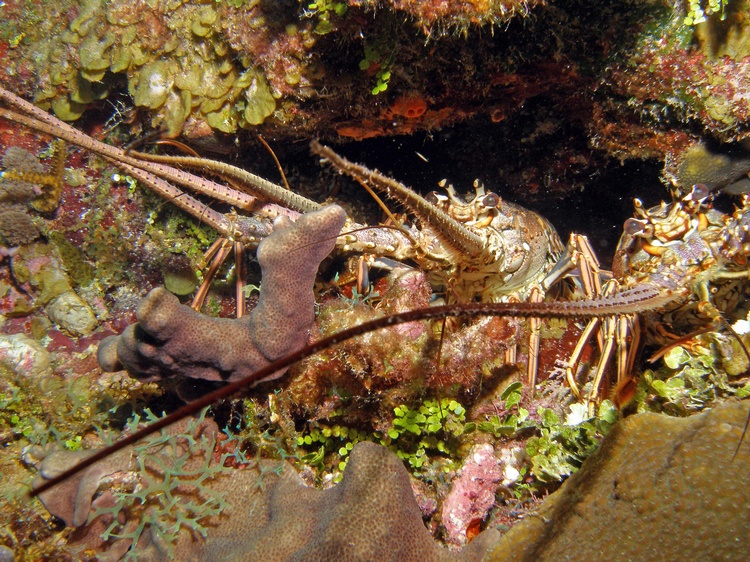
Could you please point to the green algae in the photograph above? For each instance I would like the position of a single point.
(80, 271)
(259, 102)
(180, 282)
(185, 67)
(151, 85)
(696, 377)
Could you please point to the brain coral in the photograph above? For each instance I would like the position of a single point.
(660, 488)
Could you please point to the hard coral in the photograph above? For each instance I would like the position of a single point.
(658, 488)
(172, 339)
(272, 515)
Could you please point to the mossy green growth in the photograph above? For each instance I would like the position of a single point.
(80, 272)
(202, 23)
(431, 437)
(152, 85)
(178, 233)
(66, 109)
(420, 436)
(699, 10)
(259, 102)
(104, 244)
(434, 426)
(324, 10)
(41, 266)
(180, 282)
(45, 409)
(561, 447)
(515, 420)
(330, 446)
(694, 378)
(239, 3)
(379, 64)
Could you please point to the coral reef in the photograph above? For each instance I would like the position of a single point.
(671, 501)
(540, 100)
(172, 339)
(231, 65)
(275, 516)
(320, 68)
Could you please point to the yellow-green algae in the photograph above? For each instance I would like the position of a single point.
(177, 59)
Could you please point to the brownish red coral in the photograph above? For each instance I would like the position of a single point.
(395, 365)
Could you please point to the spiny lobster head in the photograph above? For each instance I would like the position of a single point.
(476, 212)
(653, 231)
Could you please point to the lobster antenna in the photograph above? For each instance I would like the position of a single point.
(646, 298)
(275, 159)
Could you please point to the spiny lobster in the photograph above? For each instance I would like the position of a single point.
(489, 248)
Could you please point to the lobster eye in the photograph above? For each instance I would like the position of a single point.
(634, 226)
(432, 198)
(491, 200)
(700, 192)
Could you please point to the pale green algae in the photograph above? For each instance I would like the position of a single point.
(176, 58)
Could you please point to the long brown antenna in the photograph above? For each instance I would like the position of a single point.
(275, 159)
(645, 298)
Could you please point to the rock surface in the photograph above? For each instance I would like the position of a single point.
(660, 488)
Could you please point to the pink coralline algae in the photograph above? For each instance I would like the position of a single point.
(703, 81)
(473, 493)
